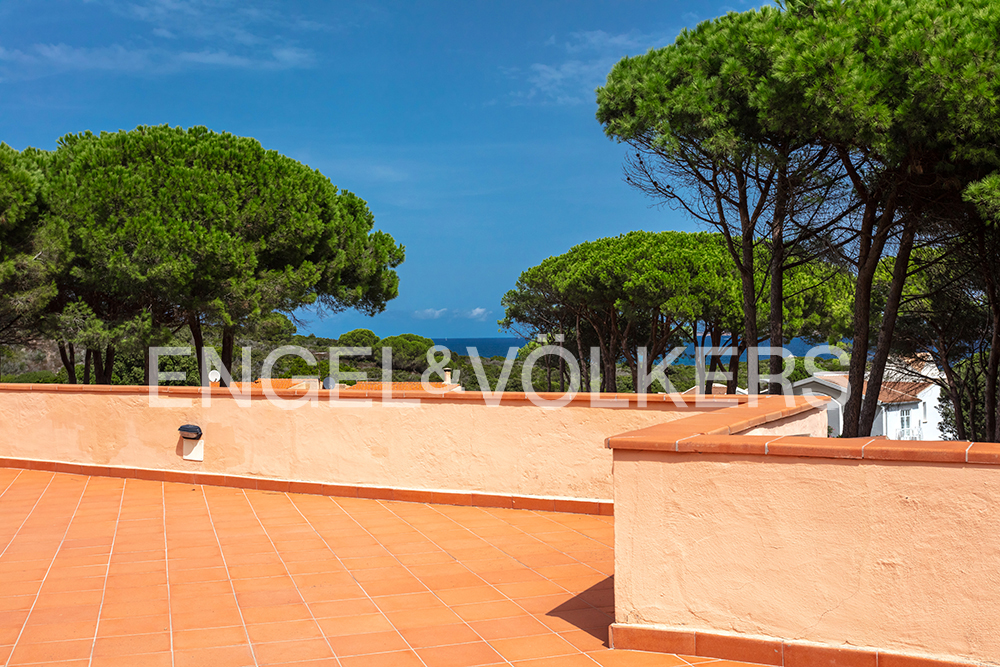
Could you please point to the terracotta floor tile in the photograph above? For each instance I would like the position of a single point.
(355, 625)
(460, 655)
(514, 626)
(575, 619)
(377, 642)
(284, 631)
(469, 595)
(205, 619)
(227, 656)
(135, 608)
(537, 646)
(355, 564)
(608, 658)
(132, 644)
(529, 589)
(276, 613)
(233, 635)
(422, 600)
(439, 635)
(425, 558)
(51, 651)
(443, 578)
(48, 632)
(547, 603)
(393, 659)
(147, 660)
(577, 660)
(393, 586)
(586, 641)
(291, 651)
(268, 598)
(341, 608)
(65, 614)
(200, 589)
(422, 618)
(487, 610)
(338, 578)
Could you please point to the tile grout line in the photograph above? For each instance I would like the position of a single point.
(166, 567)
(487, 583)
(20, 470)
(346, 569)
(521, 530)
(69, 525)
(229, 577)
(107, 573)
(27, 516)
(532, 536)
(288, 572)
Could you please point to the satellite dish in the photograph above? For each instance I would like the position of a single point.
(214, 376)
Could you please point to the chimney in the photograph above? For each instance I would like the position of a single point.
(447, 376)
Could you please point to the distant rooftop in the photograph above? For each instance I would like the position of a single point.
(891, 392)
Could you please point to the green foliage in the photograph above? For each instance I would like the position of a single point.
(313, 342)
(32, 377)
(30, 249)
(409, 351)
(125, 236)
(657, 290)
(358, 338)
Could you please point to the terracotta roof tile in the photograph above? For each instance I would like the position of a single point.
(891, 392)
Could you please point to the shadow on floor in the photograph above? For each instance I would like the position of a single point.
(592, 611)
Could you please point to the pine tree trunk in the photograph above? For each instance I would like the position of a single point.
(885, 333)
(68, 356)
(198, 338)
(778, 278)
(228, 338)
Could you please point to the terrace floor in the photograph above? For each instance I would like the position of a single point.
(102, 571)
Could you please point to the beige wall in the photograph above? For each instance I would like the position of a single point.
(897, 556)
(463, 445)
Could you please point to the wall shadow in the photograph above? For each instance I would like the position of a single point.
(592, 611)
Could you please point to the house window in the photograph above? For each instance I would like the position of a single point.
(924, 406)
(904, 419)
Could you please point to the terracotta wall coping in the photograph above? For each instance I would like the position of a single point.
(582, 399)
(718, 433)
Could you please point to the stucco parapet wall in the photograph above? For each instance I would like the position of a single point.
(671, 402)
(722, 432)
(569, 505)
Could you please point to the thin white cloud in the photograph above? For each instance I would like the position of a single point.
(602, 42)
(173, 35)
(218, 58)
(587, 59)
(477, 314)
(430, 313)
(66, 57)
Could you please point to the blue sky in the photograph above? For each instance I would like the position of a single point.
(467, 126)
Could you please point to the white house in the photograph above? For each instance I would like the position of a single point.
(907, 410)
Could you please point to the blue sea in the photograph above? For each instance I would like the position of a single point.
(487, 347)
(492, 347)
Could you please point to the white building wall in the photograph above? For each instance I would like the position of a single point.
(925, 420)
(931, 398)
(834, 409)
